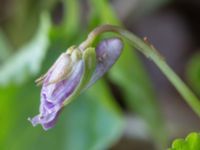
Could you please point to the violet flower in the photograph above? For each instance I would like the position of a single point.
(74, 71)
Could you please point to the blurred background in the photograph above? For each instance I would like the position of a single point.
(133, 107)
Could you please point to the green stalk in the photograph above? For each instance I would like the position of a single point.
(150, 52)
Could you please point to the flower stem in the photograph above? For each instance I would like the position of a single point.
(150, 52)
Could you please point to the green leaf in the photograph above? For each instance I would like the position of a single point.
(193, 72)
(28, 60)
(129, 74)
(16, 106)
(92, 121)
(191, 142)
(103, 124)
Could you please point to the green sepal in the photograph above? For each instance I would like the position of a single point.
(89, 57)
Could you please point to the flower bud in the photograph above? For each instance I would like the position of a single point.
(74, 71)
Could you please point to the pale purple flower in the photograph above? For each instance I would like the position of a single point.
(64, 78)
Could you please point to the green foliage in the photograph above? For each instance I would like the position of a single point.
(22, 19)
(27, 61)
(191, 142)
(102, 124)
(87, 123)
(193, 72)
(128, 73)
(92, 122)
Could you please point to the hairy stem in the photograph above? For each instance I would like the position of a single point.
(150, 52)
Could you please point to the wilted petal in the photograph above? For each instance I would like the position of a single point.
(44, 121)
(107, 53)
(59, 91)
(54, 95)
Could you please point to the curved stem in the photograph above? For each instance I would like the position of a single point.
(150, 52)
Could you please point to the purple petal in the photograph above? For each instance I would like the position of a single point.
(46, 125)
(54, 95)
(107, 52)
